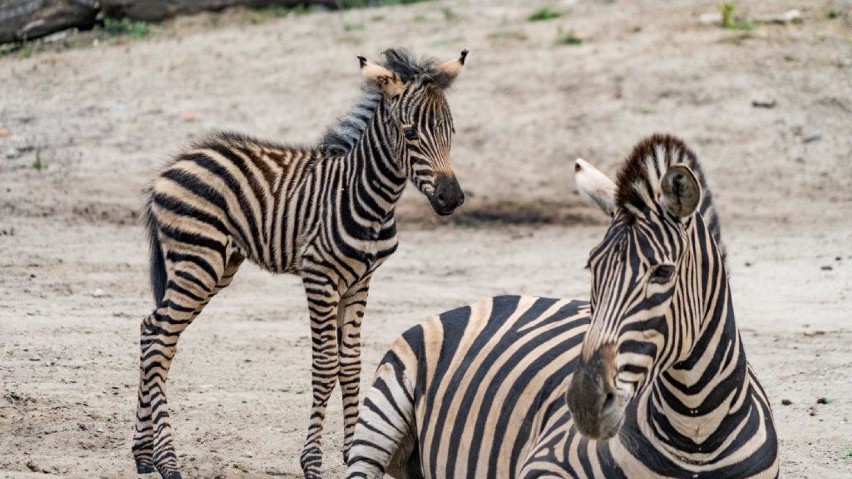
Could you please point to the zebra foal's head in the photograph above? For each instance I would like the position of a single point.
(414, 93)
(643, 320)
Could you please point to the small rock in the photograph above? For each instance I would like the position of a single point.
(82, 427)
(11, 153)
(823, 400)
(748, 264)
(812, 138)
(826, 268)
(98, 293)
(35, 359)
(764, 104)
(99, 430)
(786, 402)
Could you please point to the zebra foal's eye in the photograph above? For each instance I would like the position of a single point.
(410, 133)
(662, 273)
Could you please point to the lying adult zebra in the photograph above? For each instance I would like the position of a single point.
(325, 213)
(659, 383)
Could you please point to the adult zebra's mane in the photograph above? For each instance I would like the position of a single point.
(342, 137)
(640, 175)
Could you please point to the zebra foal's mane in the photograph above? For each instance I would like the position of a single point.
(342, 137)
(640, 175)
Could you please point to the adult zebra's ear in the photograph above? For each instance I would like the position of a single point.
(595, 187)
(389, 82)
(448, 71)
(680, 191)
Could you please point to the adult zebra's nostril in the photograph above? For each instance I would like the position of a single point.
(609, 402)
(441, 198)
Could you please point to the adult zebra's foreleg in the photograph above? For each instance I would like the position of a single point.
(323, 302)
(350, 315)
(384, 439)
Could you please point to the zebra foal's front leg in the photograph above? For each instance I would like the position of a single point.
(350, 315)
(323, 303)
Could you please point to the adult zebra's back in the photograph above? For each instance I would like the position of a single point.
(324, 213)
(649, 379)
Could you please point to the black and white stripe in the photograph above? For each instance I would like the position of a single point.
(649, 379)
(325, 213)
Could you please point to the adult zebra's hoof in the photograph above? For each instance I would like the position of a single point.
(172, 475)
(144, 466)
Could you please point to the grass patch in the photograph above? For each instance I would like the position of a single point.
(568, 38)
(26, 50)
(543, 14)
(449, 14)
(126, 27)
(508, 35)
(729, 21)
(832, 14)
(847, 453)
(39, 164)
(353, 27)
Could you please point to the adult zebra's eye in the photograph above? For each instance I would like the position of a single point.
(662, 274)
(410, 133)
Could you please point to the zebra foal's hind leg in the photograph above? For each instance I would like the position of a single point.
(193, 276)
(385, 434)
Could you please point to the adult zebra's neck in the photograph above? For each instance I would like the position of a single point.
(695, 404)
(376, 174)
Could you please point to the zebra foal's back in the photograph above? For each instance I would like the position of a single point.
(230, 193)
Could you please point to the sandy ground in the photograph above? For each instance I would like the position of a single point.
(103, 118)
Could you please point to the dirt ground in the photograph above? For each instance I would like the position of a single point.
(87, 125)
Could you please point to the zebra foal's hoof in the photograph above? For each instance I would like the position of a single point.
(172, 475)
(145, 466)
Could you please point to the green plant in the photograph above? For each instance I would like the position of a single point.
(728, 20)
(449, 14)
(568, 38)
(39, 164)
(256, 17)
(352, 27)
(544, 13)
(832, 14)
(126, 26)
(847, 452)
(26, 50)
(508, 35)
(278, 11)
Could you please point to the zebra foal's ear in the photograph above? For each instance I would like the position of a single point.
(389, 82)
(595, 187)
(448, 71)
(680, 191)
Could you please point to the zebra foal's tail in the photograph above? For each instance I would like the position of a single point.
(157, 261)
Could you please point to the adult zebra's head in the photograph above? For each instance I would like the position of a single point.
(643, 321)
(414, 94)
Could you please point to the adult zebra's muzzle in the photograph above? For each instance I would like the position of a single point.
(596, 406)
(448, 195)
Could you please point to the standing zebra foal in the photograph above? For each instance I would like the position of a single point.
(325, 213)
(647, 380)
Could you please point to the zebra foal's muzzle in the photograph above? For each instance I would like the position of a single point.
(596, 406)
(448, 195)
